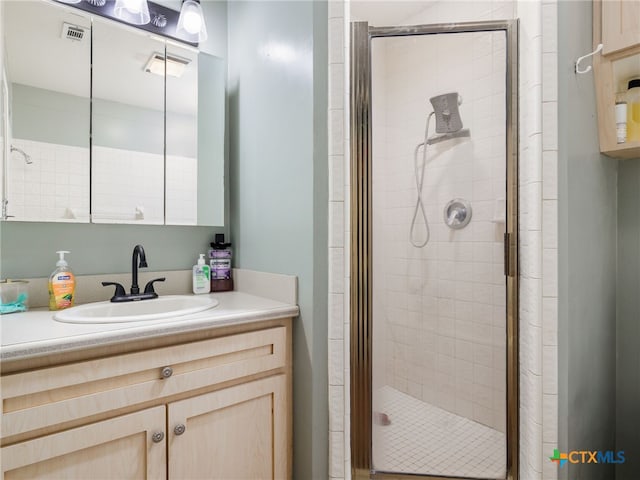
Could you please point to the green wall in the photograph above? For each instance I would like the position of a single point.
(628, 321)
(587, 198)
(279, 188)
(47, 116)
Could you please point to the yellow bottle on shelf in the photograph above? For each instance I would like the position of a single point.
(633, 111)
(62, 285)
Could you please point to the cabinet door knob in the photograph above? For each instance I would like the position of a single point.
(157, 437)
(179, 429)
(166, 372)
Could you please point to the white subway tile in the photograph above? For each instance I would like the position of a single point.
(550, 321)
(549, 272)
(336, 362)
(549, 28)
(550, 126)
(550, 369)
(336, 40)
(336, 316)
(550, 224)
(550, 175)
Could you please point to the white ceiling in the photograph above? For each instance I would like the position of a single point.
(382, 13)
(39, 57)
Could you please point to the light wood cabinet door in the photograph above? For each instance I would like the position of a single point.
(120, 448)
(234, 433)
(620, 24)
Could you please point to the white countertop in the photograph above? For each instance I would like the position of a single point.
(36, 333)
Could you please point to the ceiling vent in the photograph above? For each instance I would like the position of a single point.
(72, 32)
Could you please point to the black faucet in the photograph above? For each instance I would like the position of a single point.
(138, 253)
(138, 260)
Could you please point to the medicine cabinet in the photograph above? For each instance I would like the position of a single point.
(96, 132)
(616, 24)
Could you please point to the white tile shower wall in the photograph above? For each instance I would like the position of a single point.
(127, 186)
(339, 463)
(533, 305)
(54, 187)
(441, 308)
(182, 190)
(538, 238)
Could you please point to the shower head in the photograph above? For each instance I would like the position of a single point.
(462, 133)
(27, 158)
(445, 108)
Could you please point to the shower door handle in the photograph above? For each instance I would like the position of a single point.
(509, 261)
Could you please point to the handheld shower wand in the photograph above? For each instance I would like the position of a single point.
(449, 126)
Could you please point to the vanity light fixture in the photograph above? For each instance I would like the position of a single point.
(135, 12)
(186, 25)
(175, 65)
(191, 25)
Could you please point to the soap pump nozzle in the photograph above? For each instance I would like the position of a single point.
(62, 262)
(201, 259)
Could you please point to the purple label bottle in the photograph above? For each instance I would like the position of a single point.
(220, 257)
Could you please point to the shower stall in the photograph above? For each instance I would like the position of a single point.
(434, 291)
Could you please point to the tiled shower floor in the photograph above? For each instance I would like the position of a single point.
(426, 439)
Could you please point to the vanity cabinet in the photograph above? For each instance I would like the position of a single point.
(616, 24)
(119, 448)
(218, 408)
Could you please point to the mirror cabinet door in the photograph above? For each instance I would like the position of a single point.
(195, 137)
(47, 121)
(211, 137)
(127, 151)
(181, 192)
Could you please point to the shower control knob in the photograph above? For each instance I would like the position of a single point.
(457, 213)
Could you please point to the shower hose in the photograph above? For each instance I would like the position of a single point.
(419, 169)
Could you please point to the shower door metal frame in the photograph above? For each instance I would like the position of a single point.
(361, 238)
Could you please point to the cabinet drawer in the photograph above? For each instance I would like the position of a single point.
(53, 396)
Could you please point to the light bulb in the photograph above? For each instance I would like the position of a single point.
(191, 26)
(134, 6)
(192, 22)
(132, 11)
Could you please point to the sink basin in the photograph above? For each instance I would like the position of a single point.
(162, 307)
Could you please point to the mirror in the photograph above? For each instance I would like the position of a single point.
(156, 154)
(48, 90)
(127, 151)
(195, 130)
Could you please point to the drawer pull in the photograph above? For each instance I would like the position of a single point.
(157, 437)
(179, 429)
(167, 372)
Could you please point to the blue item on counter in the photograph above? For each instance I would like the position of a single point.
(18, 306)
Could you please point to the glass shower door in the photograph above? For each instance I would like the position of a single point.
(438, 170)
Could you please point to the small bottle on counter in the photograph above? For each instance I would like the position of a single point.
(201, 276)
(220, 257)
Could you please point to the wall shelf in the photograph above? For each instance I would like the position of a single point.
(616, 24)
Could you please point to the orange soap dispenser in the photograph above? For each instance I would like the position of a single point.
(62, 285)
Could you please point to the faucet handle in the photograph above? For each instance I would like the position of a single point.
(119, 289)
(149, 286)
